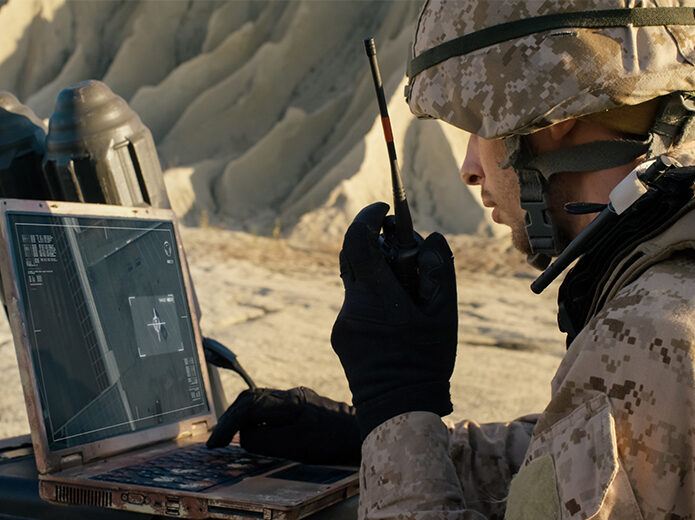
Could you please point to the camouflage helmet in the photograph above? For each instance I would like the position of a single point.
(501, 68)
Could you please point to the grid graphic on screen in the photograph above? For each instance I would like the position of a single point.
(111, 334)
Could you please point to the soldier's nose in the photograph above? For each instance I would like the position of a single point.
(471, 169)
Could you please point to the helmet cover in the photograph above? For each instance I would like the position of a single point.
(526, 83)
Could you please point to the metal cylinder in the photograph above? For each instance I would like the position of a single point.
(98, 150)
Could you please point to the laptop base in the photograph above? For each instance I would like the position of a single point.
(20, 500)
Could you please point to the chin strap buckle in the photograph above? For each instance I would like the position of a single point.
(674, 124)
(534, 201)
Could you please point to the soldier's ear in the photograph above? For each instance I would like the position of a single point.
(559, 131)
(553, 137)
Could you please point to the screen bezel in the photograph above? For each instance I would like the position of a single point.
(48, 460)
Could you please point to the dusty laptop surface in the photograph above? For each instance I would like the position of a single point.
(112, 368)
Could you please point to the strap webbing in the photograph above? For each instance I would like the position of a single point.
(535, 171)
(674, 124)
(596, 155)
(637, 17)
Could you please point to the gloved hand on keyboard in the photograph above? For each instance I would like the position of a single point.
(296, 424)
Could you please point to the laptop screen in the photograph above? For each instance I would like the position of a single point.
(108, 324)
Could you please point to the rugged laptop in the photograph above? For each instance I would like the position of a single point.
(113, 373)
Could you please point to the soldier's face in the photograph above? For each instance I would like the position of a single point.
(499, 187)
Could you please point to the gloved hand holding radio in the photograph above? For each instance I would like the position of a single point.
(397, 349)
(295, 424)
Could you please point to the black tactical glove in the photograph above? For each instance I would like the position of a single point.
(295, 424)
(398, 350)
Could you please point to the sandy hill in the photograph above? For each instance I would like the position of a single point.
(264, 112)
(266, 121)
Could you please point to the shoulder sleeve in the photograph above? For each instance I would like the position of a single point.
(414, 466)
(620, 428)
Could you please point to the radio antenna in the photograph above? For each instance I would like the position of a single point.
(404, 222)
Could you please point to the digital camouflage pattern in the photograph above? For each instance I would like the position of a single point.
(532, 82)
(617, 439)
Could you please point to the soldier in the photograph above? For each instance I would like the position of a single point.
(563, 101)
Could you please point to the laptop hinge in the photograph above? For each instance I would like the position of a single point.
(69, 461)
(199, 427)
(196, 428)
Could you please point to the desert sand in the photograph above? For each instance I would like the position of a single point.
(267, 129)
(274, 303)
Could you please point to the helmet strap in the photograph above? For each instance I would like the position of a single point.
(674, 123)
(534, 172)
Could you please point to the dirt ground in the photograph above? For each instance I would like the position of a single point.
(274, 302)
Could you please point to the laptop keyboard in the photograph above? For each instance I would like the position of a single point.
(194, 468)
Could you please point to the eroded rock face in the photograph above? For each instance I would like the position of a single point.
(263, 113)
(265, 119)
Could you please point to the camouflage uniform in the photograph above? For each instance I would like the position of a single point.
(616, 440)
(528, 83)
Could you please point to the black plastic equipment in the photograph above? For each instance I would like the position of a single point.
(98, 150)
(22, 141)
